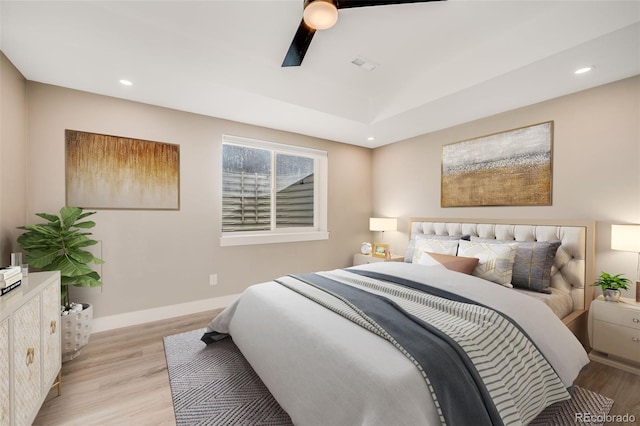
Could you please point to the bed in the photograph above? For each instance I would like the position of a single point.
(330, 360)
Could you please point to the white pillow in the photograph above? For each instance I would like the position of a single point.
(495, 260)
(408, 255)
(449, 247)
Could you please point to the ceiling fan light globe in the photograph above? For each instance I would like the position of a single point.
(320, 14)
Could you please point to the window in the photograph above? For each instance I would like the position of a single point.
(272, 193)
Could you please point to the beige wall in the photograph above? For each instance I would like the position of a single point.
(13, 165)
(596, 173)
(161, 258)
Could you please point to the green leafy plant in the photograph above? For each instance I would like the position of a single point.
(613, 282)
(58, 245)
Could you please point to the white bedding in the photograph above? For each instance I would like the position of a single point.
(323, 369)
(559, 301)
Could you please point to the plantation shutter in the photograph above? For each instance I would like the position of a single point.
(246, 202)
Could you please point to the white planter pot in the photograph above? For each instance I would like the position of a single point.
(611, 295)
(76, 329)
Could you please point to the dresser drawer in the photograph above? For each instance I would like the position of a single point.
(617, 313)
(617, 340)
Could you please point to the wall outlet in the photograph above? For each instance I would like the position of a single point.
(213, 279)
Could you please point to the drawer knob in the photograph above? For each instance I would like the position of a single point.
(636, 320)
(635, 339)
(31, 353)
(53, 326)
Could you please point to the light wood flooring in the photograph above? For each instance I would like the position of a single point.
(121, 379)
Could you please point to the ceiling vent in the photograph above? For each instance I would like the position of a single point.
(364, 63)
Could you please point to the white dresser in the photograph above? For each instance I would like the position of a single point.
(614, 333)
(30, 359)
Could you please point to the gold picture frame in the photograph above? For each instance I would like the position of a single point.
(113, 172)
(510, 168)
(380, 250)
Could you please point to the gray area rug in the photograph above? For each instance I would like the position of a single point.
(215, 385)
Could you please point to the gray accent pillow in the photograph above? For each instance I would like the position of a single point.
(408, 255)
(532, 264)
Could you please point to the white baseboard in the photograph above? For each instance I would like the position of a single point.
(140, 317)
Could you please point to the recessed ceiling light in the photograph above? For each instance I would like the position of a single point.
(583, 70)
(371, 138)
(126, 83)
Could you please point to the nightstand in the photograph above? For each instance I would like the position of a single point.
(363, 259)
(614, 333)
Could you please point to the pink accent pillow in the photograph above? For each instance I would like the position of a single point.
(466, 265)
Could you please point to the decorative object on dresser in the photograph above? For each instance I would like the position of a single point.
(611, 285)
(30, 359)
(614, 333)
(10, 279)
(16, 260)
(59, 245)
(627, 238)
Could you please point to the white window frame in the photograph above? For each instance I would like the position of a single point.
(283, 235)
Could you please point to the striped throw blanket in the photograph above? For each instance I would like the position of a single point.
(480, 367)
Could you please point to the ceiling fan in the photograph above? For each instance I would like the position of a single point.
(321, 15)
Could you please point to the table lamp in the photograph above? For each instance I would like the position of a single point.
(627, 238)
(383, 224)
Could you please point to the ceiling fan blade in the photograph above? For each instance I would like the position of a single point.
(299, 45)
(344, 4)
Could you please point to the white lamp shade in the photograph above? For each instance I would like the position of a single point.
(625, 238)
(320, 14)
(383, 224)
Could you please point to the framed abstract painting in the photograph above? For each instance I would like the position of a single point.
(511, 168)
(113, 172)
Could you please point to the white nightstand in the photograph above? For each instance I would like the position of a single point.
(363, 259)
(614, 333)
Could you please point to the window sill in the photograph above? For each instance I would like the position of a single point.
(245, 240)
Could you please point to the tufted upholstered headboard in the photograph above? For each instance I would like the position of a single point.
(573, 269)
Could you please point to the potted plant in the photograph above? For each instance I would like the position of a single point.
(611, 285)
(58, 245)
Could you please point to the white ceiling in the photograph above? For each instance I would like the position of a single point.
(439, 63)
